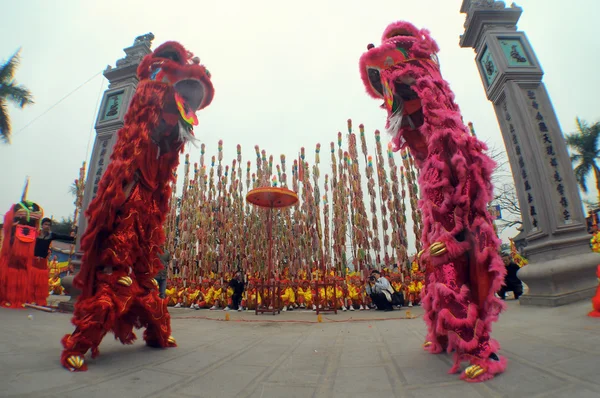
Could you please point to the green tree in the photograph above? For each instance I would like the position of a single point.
(73, 189)
(63, 227)
(10, 92)
(583, 145)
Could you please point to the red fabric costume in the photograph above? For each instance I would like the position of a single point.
(461, 247)
(21, 225)
(596, 299)
(125, 220)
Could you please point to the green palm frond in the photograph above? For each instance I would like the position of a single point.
(7, 70)
(4, 122)
(18, 95)
(584, 150)
(581, 173)
(11, 92)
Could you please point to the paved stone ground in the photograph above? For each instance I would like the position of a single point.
(553, 352)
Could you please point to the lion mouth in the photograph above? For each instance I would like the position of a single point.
(191, 92)
(402, 38)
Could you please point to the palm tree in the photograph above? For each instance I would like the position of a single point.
(10, 92)
(585, 151)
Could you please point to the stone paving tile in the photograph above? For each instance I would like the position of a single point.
(539, 351)
(522, 380)
(424, 368)
(586, 367)
(570, 392)
(33, 382)
(455, 390)
(138, 384)
(367, 379)
(276, 391)
(228, 380)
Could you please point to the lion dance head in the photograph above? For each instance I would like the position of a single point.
(390, 71)
(184, 88)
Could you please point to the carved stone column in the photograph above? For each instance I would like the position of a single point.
(562, 267)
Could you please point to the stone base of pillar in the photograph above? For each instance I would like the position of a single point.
(560, 281)
(67, 284)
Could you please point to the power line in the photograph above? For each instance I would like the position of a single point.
(57, 103)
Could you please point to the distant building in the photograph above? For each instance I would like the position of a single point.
(61, 250)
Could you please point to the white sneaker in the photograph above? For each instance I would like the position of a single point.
(226, 308)
(351, 308)
(178, 305)
(302, 305)
(410, 304)
(214, 307)
(343, 308)
(361, 308)
(240, 309)
(314, 307)
(192, 307)
(284, 308)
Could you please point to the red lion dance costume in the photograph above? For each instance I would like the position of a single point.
(125, 229)
(21, 225)
(596, 299)
(464, 269)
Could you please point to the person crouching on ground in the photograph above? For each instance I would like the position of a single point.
(512, 283)
(237, 284)
(380, 291)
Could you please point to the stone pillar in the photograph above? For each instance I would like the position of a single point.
(115, 102)
(562, 266)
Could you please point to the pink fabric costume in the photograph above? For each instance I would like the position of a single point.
(464, 268)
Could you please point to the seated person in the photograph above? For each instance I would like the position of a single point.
(380, 291)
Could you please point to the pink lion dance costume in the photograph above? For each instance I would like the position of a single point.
(464, 269)
(125, 228)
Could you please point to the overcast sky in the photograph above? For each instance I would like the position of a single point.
(285, 73)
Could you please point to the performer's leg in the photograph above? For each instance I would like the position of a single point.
(93, 318)
(154, 315)
(459, 319)
(16, 292)
(435, 343)
(38, 281)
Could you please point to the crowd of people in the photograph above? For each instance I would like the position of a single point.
(382, 290)
(238, 292)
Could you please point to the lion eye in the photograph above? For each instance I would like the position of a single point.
(375, 80)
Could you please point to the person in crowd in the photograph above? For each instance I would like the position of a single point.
(238, 286)
(161, 277)
(512, 283)
(39, 273)
(380, 291)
